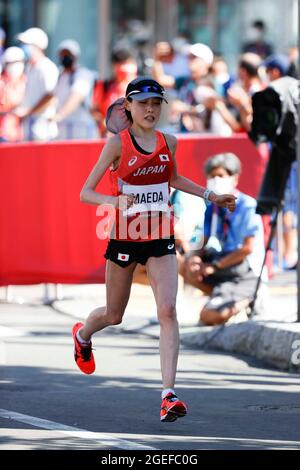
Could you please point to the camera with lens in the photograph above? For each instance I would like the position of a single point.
(275, 120)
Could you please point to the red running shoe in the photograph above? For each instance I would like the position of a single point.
(83, 355)
(172, 408)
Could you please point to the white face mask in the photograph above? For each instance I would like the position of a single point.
(221, 185)
(15, 69)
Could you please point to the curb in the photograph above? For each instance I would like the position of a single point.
(277, 344)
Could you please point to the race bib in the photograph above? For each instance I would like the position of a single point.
(152, 197)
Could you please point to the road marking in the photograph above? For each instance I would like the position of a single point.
(117, 439)
(107, 439)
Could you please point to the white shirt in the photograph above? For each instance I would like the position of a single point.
(41, 80)
(80, 123)
(189, 212)
(218, 125)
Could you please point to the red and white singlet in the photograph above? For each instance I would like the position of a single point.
(148, 178)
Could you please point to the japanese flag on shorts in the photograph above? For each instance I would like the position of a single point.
(123, 257)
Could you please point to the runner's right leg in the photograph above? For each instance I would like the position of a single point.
(118, 284)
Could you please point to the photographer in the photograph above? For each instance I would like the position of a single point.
(228, 265)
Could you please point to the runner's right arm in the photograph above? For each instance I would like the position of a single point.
(110, 154)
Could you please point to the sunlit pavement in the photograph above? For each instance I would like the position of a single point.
(233, 402)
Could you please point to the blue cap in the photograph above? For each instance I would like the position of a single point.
(277, 61)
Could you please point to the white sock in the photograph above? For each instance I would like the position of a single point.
(81, 341)
(165, 392)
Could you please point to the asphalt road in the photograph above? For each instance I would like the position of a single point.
(46, 403)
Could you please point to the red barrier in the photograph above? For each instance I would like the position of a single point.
(48, 235)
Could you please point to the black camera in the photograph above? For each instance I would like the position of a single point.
(275, 120)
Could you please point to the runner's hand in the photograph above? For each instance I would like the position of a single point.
(228, 201)
(125, 201)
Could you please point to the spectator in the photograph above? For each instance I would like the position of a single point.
(73, 92)
(106, 92)
(184, 108)
(38, 105)
(199, 108)
(200, 60)
(2, 44)
(228, 266)
(189, 212)
(277, 66)
(293, 55)
(170, 67)
(257, 43)
(221, 76)
(289, 220)
(142, 54)
(12, 88)
(240, 93)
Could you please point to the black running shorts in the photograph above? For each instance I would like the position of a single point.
(124, 253)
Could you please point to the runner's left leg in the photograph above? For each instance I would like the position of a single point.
(163, 276)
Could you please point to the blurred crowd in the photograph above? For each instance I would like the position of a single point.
(41, 100)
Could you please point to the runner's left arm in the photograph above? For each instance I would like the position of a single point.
(188, 186)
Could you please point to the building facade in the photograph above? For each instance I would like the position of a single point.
(100, 24)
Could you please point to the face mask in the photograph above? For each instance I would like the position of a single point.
(123, 71)
(15, 70)
(67, 61)
(221, 185)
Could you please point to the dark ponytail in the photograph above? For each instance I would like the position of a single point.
(128, 113)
